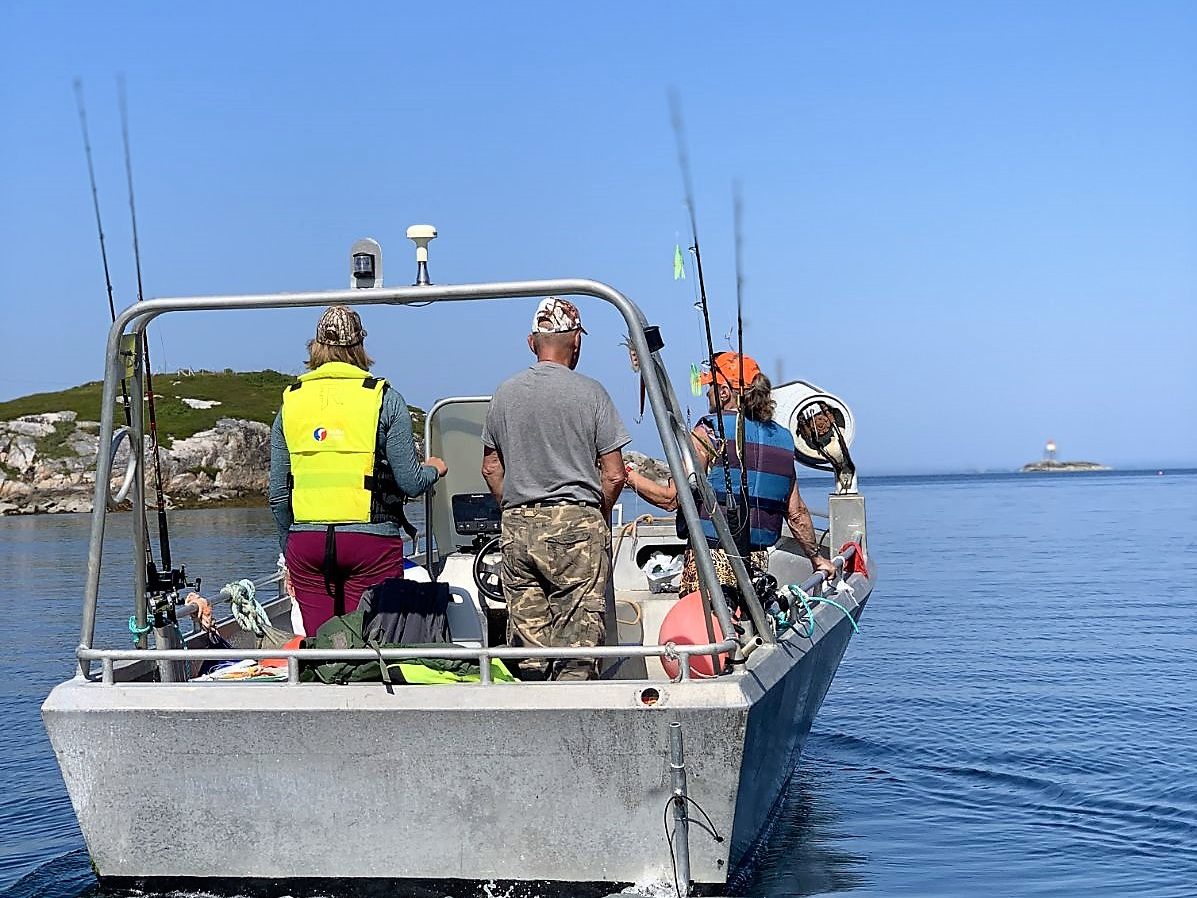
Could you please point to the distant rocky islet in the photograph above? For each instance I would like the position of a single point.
(48, 464)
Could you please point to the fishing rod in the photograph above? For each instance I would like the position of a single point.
(95, 198)
(737, 522)
(155, 576)
(737, 218)
(683, 160)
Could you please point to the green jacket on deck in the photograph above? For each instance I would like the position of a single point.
(345, 632)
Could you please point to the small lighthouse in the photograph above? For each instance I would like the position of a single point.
(1049, 451)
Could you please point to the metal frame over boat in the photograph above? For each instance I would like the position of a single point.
(599, 782)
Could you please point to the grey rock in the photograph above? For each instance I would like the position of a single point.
(84, 444)
(18, 452)
(30, 428)
(53, 417)
(228, 462)
(15, 491)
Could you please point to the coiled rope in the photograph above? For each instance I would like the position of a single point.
(784, 621)
(247, 610)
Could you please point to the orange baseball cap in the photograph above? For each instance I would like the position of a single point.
(728, 366)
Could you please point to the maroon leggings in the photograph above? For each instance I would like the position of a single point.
(363, 559)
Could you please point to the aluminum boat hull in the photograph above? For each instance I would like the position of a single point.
(529, 782)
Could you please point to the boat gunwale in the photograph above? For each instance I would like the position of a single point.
(483, 654)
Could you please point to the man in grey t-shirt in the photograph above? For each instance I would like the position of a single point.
(552, 457)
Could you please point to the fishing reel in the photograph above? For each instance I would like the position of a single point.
(167, 580)
(765, 585)
(776, 602)
(162, 588)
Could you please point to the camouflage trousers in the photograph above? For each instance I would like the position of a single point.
(556, 566)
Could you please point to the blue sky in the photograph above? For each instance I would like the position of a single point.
(975, 222)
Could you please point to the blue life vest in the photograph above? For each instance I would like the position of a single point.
(769, 451)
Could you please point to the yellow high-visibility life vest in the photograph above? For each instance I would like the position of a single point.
(330, 421)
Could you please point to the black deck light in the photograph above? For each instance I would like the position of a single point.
(365, 264)
(421, 236)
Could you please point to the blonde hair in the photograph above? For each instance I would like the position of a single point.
(758, 402)
(322, 353)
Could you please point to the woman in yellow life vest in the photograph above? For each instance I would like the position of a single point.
(342, 463)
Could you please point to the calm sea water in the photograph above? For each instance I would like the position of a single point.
(1018, 717)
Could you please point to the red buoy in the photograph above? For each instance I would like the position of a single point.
(683, 625)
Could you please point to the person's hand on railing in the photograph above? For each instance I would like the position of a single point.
(821, 564)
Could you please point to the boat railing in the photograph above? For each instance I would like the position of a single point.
(645, 339)
(682, 653)
(818, 578)
(483, 656)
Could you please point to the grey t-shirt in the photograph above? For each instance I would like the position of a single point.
(550, 424)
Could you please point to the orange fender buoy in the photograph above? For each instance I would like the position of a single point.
(294, 643)
(683, 625)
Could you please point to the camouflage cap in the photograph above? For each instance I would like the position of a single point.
(555, 315)
(340, 326)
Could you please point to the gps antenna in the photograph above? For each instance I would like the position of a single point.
(421, 236)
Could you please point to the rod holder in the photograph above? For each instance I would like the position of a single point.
(681, 819)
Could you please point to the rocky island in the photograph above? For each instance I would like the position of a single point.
(1062, 466)
(1049, 463)
(214, 433)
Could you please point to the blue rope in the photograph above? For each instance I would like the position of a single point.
(137, 631)
(834, 604)
(801, 596)
(798, 593)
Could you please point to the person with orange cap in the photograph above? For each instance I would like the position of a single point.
(740, 394)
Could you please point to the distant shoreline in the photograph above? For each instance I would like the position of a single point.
(1062, 467)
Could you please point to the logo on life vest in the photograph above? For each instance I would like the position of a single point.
(319, 434)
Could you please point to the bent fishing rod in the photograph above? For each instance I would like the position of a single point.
(156, 577)
(95, 198)
(736, 521)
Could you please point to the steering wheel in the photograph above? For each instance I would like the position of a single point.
(488, 571)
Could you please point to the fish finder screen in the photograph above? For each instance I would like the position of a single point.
(475, 513)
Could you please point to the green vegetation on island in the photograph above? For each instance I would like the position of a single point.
(245, 395)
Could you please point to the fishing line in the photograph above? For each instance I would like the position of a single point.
(683, 159)
(675, 107)
(95, 199)
(737, 218)
(163, 529)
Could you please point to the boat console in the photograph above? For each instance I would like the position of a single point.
(476, 514)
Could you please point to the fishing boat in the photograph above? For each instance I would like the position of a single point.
(668, 767)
